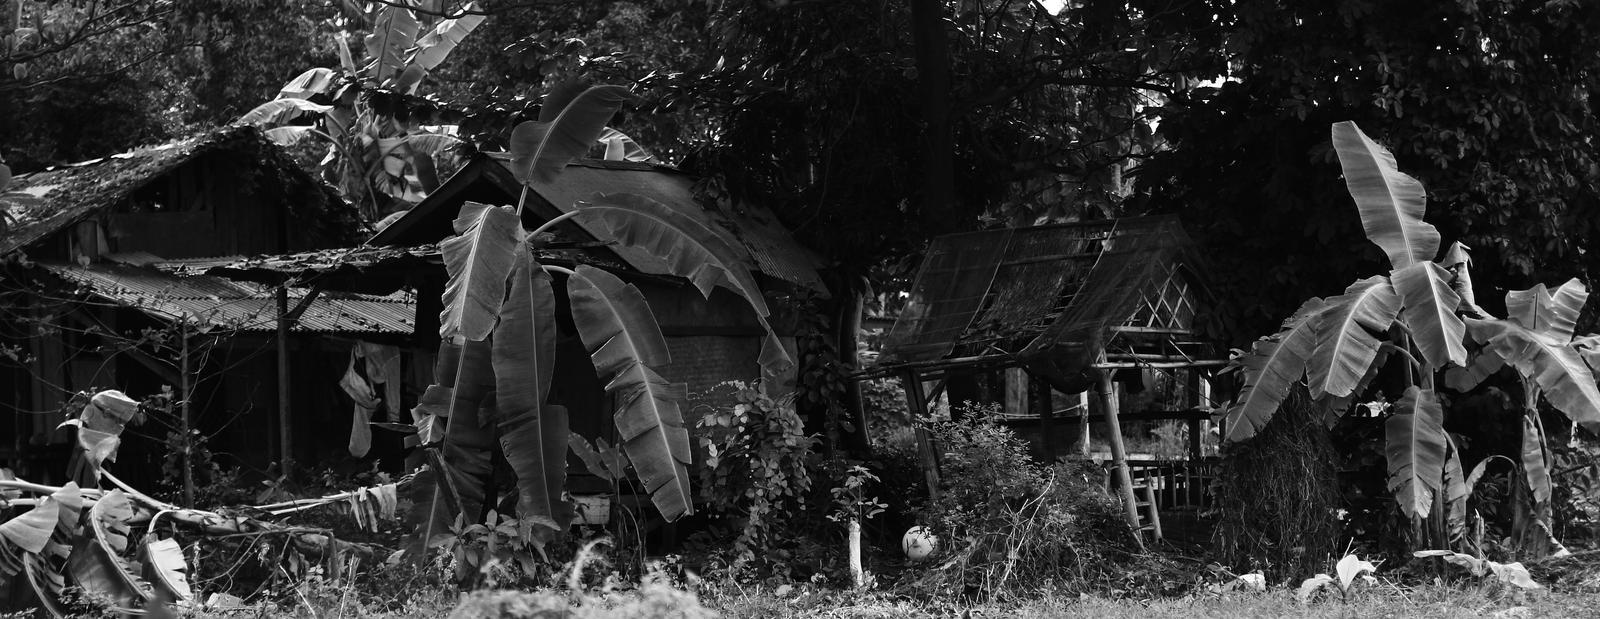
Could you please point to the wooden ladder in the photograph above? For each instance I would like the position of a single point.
(1149, 513)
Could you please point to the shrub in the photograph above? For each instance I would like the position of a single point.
(1009, 523)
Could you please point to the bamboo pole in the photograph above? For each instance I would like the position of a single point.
(1119, 456)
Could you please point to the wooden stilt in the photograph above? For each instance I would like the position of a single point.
(285, 422)
(1083, 425)
(1119, 456)
(918, 402)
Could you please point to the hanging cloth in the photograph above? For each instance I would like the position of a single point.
(383, 366)
(359, 390)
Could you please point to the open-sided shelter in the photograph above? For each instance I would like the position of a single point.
(93, 287)
(1069, 305)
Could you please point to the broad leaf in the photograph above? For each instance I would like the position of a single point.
(478, 260)
(624, 341)
(393, 32)
(1553, 315)
(1555, 367)
(1484, 363)
(532, 433)
(280, 111)
(308, 84)
(1534, 459)
(31, 530)
(1477, 566)
(1415, 450)
(96, 564)
(1347, 336)
(1272, 366)
(1310, 586)
(1430, 313)
(165, 567)
(437, 44)
(1350, 567)
(469, 443)
(603, 460)
(1391, 203)
(620, 147)
(542, 149)
(691, 250)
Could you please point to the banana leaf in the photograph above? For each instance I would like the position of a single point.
(278, 112)
(1271, 367)
(624, 342)
(541, 149)
(1554, 315)
(1555, 366)
(437, 44)
(691, 250)
(95, 563)
(165, 568)
(1390, 202)
(1415, 448)
(1430, 313)
(531, 432)
(1347, 339)
(478, 260)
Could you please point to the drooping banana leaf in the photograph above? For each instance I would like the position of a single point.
(1484, 363)
(1391, 203)
(96, 564)
(165, 567)
(478, 260)
(1430, 313)
(1533, 460)
(278, 112)
(469, 440)
(620, 147)
(541, 150)
(1347, 339)
(532, 433)
(309, 84)
(1415, 449)
(624, 342)
(690, 249)
(1554, 366)
(31, 530)
(1271, 367)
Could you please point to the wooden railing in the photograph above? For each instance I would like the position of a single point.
(1178, 484)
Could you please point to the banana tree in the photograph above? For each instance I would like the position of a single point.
(1424, 315)
(497, 333)
(372, 152)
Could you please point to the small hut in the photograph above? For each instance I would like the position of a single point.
(1053, 311)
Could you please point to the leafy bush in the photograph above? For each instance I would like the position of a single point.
(753, 469)
(1009, 523)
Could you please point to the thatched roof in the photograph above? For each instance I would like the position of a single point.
(40, 204)
(1055, 292)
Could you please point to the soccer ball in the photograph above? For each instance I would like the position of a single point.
(919, 543)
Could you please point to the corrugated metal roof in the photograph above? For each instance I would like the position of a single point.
(239, 306)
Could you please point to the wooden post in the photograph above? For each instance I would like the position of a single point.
(185, 386)
(285, 423)
(918, 402)
(1119, 457)
(1039, 398)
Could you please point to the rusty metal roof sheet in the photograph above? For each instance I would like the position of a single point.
(239, 306)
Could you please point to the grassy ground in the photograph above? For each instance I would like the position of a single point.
(663, 602)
